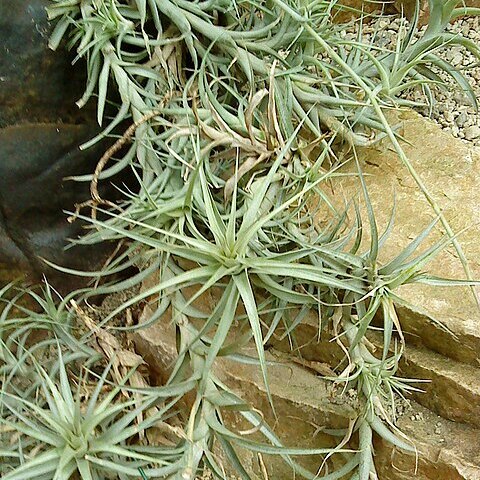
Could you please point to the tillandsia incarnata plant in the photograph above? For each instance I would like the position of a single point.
(234, 112)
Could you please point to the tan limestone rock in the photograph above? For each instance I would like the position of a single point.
(450, 169)
(306, 405)
(408, 7)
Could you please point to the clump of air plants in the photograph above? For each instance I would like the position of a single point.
(236, 110)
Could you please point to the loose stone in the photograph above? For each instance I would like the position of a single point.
(472, 132)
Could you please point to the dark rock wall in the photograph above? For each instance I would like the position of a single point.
(40, 131)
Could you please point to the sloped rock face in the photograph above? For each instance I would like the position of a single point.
(442, 326)
(37, 84)
(450, 169)
(40, 131)
(366, 6)
(35, 158)
(407, 7)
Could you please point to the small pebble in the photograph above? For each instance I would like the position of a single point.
(449, 117)
(416, 417)
(457, 59)
(462, 119)
(473, 132)
(461, 99)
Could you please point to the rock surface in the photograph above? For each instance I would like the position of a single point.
(35, 160)
(36, 84)
(388, 6)
(450, 170)
(446, 450)
(408, 6)
(40, 131)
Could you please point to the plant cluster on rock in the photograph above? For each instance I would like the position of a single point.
(238, 115)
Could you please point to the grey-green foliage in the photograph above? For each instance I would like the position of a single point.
(237, 111)
(63, 436)
(206, 67)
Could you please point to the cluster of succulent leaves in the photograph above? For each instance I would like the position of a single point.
(237, 110)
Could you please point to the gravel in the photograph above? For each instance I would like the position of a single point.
(452, 109)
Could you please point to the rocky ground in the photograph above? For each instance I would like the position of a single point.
(452, 110)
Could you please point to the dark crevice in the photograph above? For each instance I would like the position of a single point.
(19, 242)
